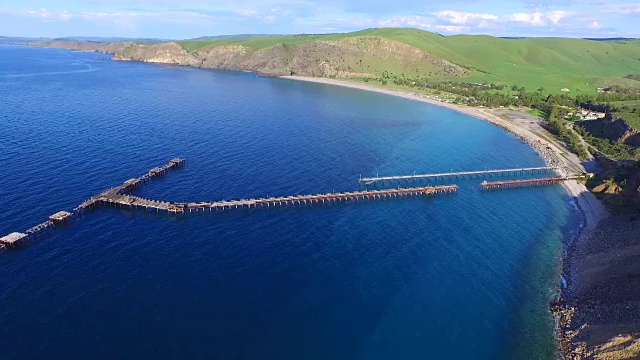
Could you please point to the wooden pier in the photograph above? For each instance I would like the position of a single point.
(461, 174)
(120, 197)
(527, 182)
(134, 202)
(64, 217)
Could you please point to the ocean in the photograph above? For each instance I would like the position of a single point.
(451, 276)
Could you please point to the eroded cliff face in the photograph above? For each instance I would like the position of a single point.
(358, 57)
(619, 130)
(168, 53)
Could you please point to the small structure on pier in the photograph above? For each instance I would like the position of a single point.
(13, 239)
(60, 217)
(176, 162)
(132, 183)
(156, 172)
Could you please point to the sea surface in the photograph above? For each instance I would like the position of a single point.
(459, 276)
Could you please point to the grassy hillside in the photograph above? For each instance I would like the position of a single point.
(550, 63)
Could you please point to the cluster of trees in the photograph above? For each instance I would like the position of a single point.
(612, 149)
(558, 126)
(617, 89)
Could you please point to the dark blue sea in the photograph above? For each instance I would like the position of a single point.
(460, 276)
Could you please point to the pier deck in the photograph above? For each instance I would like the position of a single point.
(527, 182)
(119, 196)
(515, 171)
(134, 202)
(13, 239)
(64, 217)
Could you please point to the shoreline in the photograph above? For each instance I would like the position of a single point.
(591, 209)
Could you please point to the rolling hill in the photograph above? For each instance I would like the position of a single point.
(549, 63)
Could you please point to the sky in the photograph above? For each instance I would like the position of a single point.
(184, 19)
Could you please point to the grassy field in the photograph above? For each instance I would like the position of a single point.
(548, 63)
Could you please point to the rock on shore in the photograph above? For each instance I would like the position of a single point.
(600, 317)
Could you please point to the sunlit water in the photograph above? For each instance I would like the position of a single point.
(465, 276)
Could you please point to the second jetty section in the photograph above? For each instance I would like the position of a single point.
(460, 174)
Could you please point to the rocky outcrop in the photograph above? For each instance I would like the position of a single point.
(357, 57)
(168, 53)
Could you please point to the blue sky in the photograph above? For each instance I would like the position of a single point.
(180, 19)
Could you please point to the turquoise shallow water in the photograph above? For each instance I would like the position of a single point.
(465, 276)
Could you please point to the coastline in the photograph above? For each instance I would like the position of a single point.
(554, 154)
(591, 229)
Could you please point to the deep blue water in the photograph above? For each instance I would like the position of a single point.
(463, 276)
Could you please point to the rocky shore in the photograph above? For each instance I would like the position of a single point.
(599, 311)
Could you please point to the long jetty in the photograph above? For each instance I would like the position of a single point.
(135, 202)
(120, 197)
(486, 185)
(460, 174)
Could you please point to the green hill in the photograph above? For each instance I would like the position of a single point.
(551, 63)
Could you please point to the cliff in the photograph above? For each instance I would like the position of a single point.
(618, 130)
(357, 57)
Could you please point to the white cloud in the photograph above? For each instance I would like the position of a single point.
(556, 16)
(533, 19)
(625, 9)
(269, 15)
(461, 18)
(48, 15)
(394, 21)
(456, 29)
(279, 11)
(467, 21)
(595, 25)
(247, 12)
